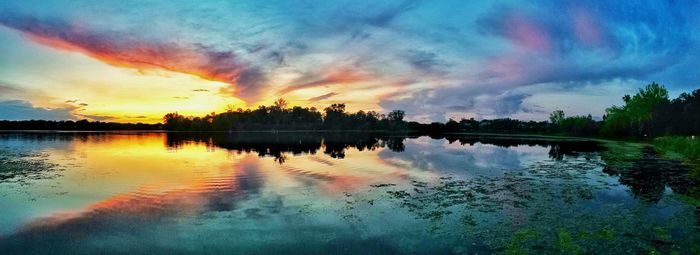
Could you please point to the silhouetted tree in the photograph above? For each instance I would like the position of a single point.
(74, 125)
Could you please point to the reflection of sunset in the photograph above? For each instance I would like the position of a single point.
(137, 175)
(247, 191)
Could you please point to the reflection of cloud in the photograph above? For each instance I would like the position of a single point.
(468, 160)
(142, 208)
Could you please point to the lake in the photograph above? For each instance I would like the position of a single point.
(338, 193)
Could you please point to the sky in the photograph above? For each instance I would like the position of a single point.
(134, 61)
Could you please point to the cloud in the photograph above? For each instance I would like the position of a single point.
(436, 104)
(352, 18)
(387, 15)
(425, 61)
(23, 110)
(433, 59)
(96, 117)
(11, 91)
(333, 76)
(504, 104)
(254, 80)
(6, 88)
(322, 97)
(127, 50)
(566, 41)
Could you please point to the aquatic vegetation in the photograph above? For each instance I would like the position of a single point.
(619, 155)
(517, 243)
(565, 243)
(662, 234)
(19, 166)
(547, 202)
(604, 234)
(648, 172)
(554, 198)
(687, 150)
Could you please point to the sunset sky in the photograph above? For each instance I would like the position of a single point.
(134, 61)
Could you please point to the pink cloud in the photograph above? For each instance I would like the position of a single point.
(586, 28)
(527, 34)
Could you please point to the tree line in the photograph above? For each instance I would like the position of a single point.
(648, 113)
(74, 125)
(278, 117)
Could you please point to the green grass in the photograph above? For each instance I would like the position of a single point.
(687, 148)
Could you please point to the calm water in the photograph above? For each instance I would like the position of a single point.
(72, 193)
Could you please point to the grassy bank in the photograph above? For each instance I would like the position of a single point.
(687, 148)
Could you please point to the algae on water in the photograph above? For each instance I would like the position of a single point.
(21, 165)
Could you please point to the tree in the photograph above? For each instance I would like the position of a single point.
(281, 103)
(633, 117)
(556, 117)
(336, 108)
(396, 116)
(173, 121)
(335, 116)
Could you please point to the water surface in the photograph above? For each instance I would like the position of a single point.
(265, 193)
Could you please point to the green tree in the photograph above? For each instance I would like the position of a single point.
(631, 118)
(557, 116)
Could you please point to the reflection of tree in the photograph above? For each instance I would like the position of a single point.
(395, 144)
(281, 158)
(335, 143)
(558, 148)
(277, 144)
(648, 176)
(557, 151)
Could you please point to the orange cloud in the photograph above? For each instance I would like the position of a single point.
(123, 50)
(329, 77)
